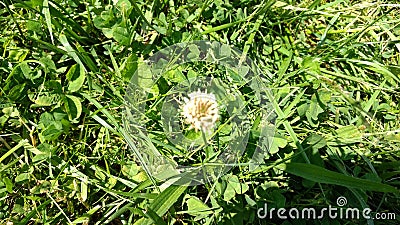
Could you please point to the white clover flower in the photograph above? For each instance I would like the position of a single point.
(200, 111)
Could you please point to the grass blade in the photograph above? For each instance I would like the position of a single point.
(47, 17)
(322, 175)
(15, 148)
(163, 202)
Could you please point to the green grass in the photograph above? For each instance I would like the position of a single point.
(65, 67)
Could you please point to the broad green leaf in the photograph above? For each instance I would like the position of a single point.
(174, 75)
(43, 99)
(43, 151)
(105, 20)
(17, 55)
(26, 70)
(277, 142)
(73, 107)
(316, 141)
(17, 91)
(229, 193)
(130, 169)
(121, 35)
(48, 63)
(226, 51)
(7, 112)
(197, 207)
(9, 184)
(40, 157)
(312, 64)
(302, 109)
(76, 77)
(194, 52)
(144, 77)
(349, 134)
(322, 175)
(234, 186)
(129, 67)
(50, 133)
(324, 97)
(249, 200)
(243, 71)
(22, 177)
(46, 119)
(314, 109)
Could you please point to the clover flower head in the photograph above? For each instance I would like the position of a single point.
(200, 110)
